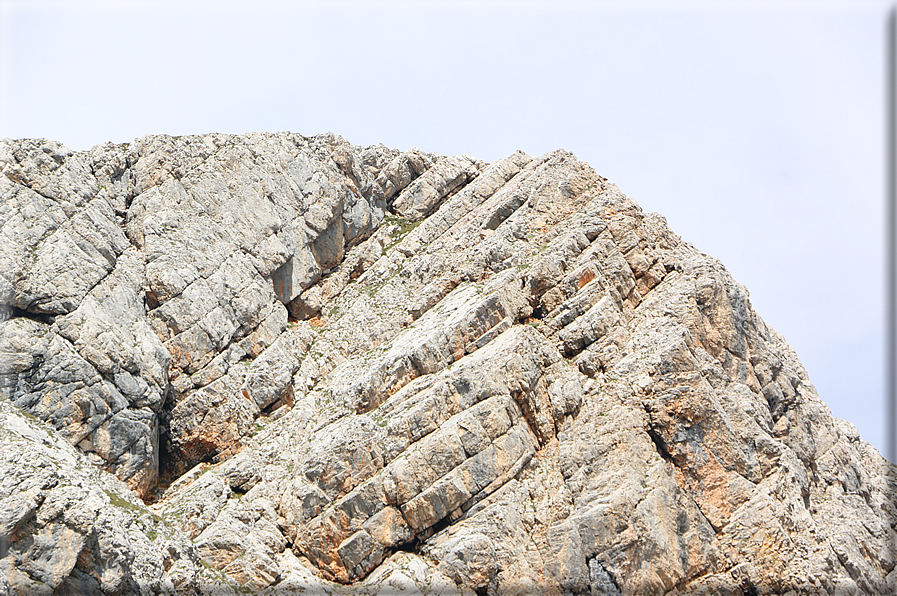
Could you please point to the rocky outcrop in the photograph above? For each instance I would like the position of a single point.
(357, 370)
(67, 527)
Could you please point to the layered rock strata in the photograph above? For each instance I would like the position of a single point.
(336, 369)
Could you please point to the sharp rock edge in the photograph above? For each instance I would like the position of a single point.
(280, 364)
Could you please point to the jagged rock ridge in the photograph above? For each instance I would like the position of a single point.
(358, 370)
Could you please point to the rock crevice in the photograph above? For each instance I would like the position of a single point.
(345, 369)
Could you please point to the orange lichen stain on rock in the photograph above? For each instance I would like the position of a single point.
(715, 496)
(180, 358)
(317, 322)
(587, 276)
(457, 343)
(684, 408)
(230, 451)
(320, 542)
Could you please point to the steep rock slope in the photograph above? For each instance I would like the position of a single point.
(358, 370)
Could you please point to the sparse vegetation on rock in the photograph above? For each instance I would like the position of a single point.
(346, 370)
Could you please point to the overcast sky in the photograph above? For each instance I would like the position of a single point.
(755, 127)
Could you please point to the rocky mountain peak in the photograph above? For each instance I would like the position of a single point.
(279, 364)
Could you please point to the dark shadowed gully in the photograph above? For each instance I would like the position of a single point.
(279, 364)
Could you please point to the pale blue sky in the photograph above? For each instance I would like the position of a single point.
(756, 127)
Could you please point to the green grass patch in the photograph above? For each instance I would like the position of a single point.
(121, 503)
(404, 227)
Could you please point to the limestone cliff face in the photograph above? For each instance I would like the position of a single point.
(335, 369)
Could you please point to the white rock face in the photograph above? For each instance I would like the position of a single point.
(347, 370)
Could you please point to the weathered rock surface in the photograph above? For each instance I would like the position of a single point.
(66, 527)
(336, 369)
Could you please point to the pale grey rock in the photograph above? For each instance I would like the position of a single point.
(469, 560)
(69, 528)
(195, 501)
(236, 544)
(210, 421)
(372, 483)
(45, 376)
(432, 343)
(396, 174)
(268, 380)
(58, 238)
(423, 196)
(600, 582)
(370, 371)
(111, 165)
(406, 573)
(491, 179)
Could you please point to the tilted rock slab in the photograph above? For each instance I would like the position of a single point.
(336, 369)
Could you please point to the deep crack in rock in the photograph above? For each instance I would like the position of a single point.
(318, 361)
